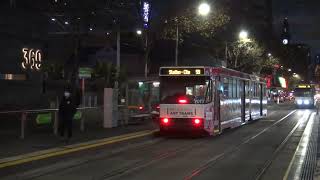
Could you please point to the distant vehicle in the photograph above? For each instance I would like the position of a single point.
(304, 96)
(209, 99)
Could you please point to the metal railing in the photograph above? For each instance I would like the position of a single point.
(24, 114)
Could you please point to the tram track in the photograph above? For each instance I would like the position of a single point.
(124, 169)
(268, 163)
(214, 160)
(143, 164)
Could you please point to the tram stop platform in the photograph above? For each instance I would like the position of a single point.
(306, 161)
(42, 140)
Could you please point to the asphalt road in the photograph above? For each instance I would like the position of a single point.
(259, 150)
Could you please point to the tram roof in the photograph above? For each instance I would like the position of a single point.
(205, 71)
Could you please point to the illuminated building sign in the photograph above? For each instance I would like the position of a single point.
(146, 13)
(182, 71)
(16, 77)
(283, 82)
(269, 81)
(32, 59)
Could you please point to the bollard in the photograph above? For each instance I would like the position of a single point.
(23, 119)
(82, 121)
(278, 100)
(55, 123)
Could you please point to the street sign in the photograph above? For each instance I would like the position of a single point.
(85, 72)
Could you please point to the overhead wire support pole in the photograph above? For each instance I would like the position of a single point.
(177, 45)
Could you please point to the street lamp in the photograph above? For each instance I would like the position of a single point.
(269, 54)
(139, 32)
(295, 75)
(243, 35)
(204, 9)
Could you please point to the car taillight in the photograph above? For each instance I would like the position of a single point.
(165, 120)
(158, 107)
(182, 101)
(140, 107)
(197, 121)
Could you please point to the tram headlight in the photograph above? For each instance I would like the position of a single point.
(306, 102)
(299, 102)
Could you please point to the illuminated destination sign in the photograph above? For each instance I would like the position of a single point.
(182, 71)
(304, 86)
(32, 59)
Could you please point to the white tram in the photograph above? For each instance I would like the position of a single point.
(209, 99)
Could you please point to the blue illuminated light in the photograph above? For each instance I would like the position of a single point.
(146, 12)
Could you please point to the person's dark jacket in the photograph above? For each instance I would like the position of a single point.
(67, 109)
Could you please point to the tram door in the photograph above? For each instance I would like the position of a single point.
(261, 98)
(247, 99)
(217, 94)
(243, 100)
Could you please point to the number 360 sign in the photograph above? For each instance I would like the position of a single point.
(32, 58)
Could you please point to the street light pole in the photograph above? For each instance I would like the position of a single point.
(177, 45)
(203, 10)
(146, 56)
(116, 84)
(226, 54)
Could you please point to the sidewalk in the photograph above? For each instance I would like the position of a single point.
(43, 138)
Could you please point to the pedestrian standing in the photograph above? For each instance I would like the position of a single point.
(67, 109)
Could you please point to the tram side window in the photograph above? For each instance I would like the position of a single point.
(239, 89)
(230, 88)
(225, 87)
(252, 89)
(247, 88)
(258, 90)
(234, 88)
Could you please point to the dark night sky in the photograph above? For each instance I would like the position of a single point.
(304, 19)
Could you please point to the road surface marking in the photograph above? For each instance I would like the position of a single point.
(21, 159)
(268, 120)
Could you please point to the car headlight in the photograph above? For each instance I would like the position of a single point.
(306, 102)
(299, 102)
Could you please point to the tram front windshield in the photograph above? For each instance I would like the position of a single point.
(303, 92)
(195, 89)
